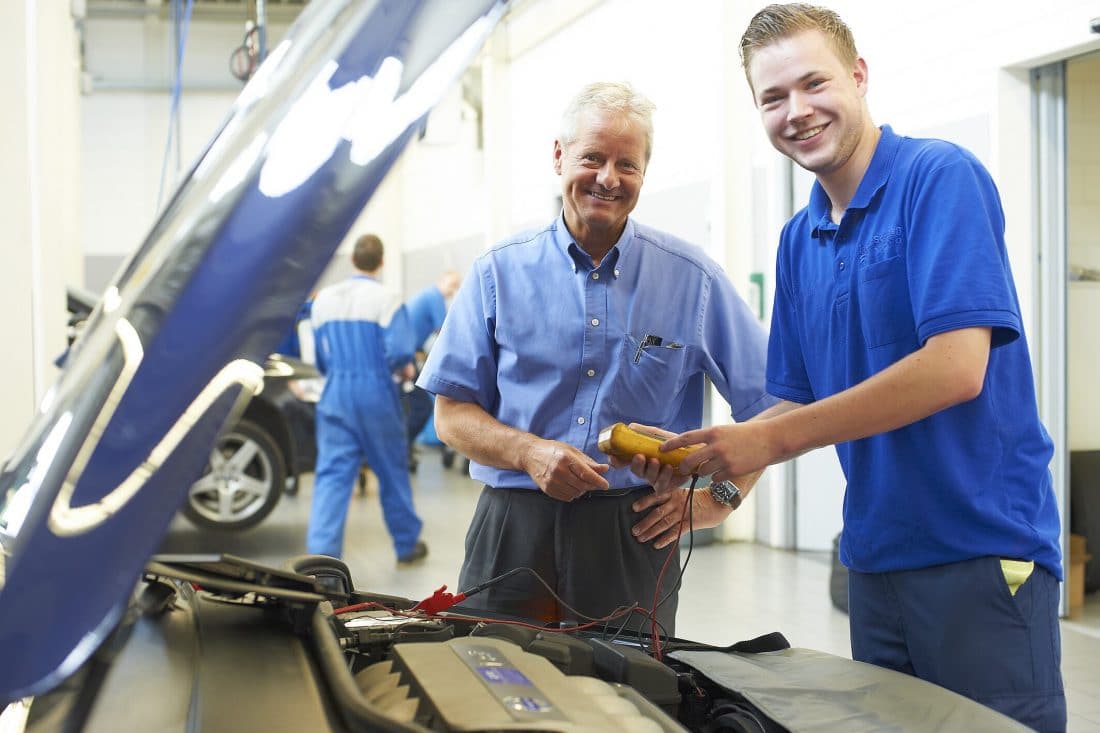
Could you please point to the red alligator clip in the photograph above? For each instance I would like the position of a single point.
(439, 601)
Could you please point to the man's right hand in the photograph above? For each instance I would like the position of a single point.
(563, 472)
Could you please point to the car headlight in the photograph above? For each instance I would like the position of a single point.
(307, 390)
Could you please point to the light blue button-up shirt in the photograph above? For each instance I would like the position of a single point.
(549, 344)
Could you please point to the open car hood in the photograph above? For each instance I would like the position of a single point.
(179, 338)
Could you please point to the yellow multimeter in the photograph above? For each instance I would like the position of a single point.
(622, 441)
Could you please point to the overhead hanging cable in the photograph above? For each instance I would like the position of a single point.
(181, 21)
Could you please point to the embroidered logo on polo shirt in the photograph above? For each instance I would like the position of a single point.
(881, 247)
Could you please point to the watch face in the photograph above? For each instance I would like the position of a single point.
(726, 493)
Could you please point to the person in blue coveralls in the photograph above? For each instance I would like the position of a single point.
(897, 336)
(362, 338)
(558, 332)
(427, 309)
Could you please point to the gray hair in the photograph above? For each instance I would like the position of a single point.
(614, 98)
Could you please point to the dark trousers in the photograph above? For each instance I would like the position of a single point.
(960, 627)
(582, 549)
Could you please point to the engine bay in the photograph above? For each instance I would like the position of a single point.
(218, 642)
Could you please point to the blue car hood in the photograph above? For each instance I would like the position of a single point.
(179, 338)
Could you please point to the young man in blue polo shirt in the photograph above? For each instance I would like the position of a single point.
(897, 336)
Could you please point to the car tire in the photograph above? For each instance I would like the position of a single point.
(242, 482)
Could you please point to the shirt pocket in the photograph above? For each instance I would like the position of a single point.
(885, 309)
(647, 385)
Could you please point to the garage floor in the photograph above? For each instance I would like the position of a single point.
(761, 589)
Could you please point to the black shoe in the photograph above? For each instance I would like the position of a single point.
(415, 555)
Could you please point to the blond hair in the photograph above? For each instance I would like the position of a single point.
(777, 22)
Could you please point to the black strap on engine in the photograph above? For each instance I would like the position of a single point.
(773, 642)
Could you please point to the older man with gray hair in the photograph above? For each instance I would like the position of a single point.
(558, 332)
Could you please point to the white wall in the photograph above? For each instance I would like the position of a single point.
(125, 113)
(39, 201)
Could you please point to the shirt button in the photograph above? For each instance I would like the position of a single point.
(595, 276)
(580, 421)
(842, 264)
(591, 372)
(616, 273)
(595, 321)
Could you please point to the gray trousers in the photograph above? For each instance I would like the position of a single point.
(582, 549)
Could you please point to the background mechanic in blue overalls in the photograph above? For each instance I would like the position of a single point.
(362, 338)
(426, 309)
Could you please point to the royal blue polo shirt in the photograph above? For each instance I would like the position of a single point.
(549, 342)
(919, 251)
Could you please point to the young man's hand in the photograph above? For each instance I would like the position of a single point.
(727, 451)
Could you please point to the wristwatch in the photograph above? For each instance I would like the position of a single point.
(727, 493)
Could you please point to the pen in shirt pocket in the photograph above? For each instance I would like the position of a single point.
(649, 340)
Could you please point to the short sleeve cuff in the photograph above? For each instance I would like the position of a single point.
(1005, 325)
(754, 409)
(438, 386)
(790, 394)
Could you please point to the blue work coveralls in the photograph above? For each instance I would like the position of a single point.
(362, 336)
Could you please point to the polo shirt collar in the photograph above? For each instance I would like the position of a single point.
(882, 162)
(564, 241)
(874, 179)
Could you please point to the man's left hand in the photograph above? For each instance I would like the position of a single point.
(667, 520)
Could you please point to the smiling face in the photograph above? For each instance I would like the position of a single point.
(601, 171)
(812, 106)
